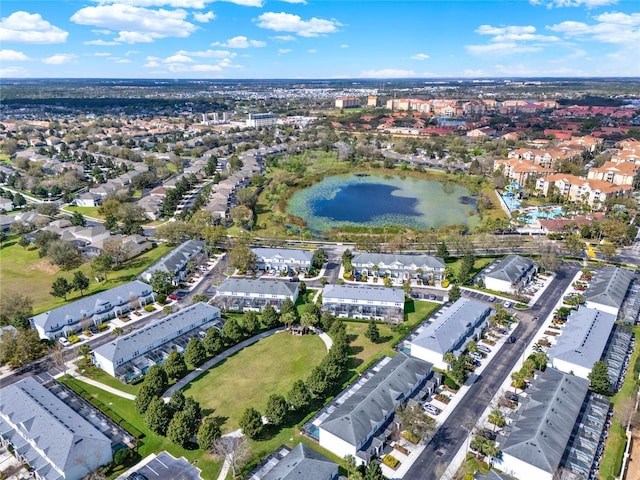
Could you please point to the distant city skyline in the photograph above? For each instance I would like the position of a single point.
(319, 39)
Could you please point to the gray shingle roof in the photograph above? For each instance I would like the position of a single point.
(116, 296)
(257, 286)
(452, 326)
(583, 337)
(31, 413)
(363, 292)
(424, 262)
(303, 463)
(511, 268)
(289, 254)
(609, 286)
(376, 400)
(541, 432)
(124, 346)
(176, 259)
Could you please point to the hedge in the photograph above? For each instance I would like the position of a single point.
(390, 461)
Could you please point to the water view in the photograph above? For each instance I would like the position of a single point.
(378, 201)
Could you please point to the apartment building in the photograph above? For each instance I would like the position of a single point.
(593, 192)
(521, 170)
(623, 173)
(347, 102)
(254, 294)
(364, 301)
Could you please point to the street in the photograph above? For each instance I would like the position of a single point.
(454, 431)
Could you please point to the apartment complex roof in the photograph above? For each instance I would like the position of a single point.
(375, 400)
(292, 254)
(584, 337)
(176, 259)
(257, 286)
(44, 430)
(511, 268)
(303, 463)
(363, 293)
(609, 286)
(402, 261)
(123, 347)
(446, 331)
(542, 430)
(115, 296)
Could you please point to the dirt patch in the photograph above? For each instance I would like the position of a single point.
(633, 468)
(45, 266)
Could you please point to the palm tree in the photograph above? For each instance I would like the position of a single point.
(496, 418)
(449, 358)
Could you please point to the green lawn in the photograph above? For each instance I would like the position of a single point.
(478, 265)
(23, 271)
(4, 158)
(248, 378)
(151, 443)
(614, 448)
(86, 211)
(101, 376)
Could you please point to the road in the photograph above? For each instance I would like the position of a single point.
(450, 436)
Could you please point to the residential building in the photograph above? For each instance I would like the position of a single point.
(362, 422)
(510, 274)
(608, 289)
(283, 259)
(258, 120)
(582, 341)
(450, 332)
(624, 173)
(56, 442)
(6, 205)
(299, 463)
(114, 356)
(92, 310)
(88, 199)
(254, 295)
(592, 192)
(372, 101)
(423, 267)
(558, 424)
(177, 262)
(520, 170)
(364, 301)
(347, 102)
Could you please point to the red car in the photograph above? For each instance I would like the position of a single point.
(173, 296)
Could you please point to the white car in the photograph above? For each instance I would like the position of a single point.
(64, 342)
(507, 304)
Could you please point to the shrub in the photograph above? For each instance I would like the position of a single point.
(442, 398)
(410, 437)
(121, 456)
(73, 338)
(149, 308)
(102, 327)
(445, 283)
(450, 383)
(161, 298)
(390, 461)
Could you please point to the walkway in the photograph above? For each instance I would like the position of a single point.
(72, 370)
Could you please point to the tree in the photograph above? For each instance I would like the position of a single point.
(195, 353)
(143, 399)
(276, 410)
(373, 472)
(101, 266)
(599, 377)
(518, 380)
(178, 431)
(232, 331)
(416, 421)
(251, 423)
(609, 250)
(299, 396)
(213, 342)
(156, 379)
(84, 351)
(246, 197)
(63, 253)
(242, 258)
(24, 242)
(270, 317)
(47, 209)
(18, 348)
(496, 417)
(459, 370)
(78, 220)
(175, 365)
(574, 245)
(235, 450)
(372, 333)
(442, 251)
(117, 249)
(60, 287)
(15, 309)
(176, 401)
(454, 293)
(157, 416)
(250, 323)
(80, 281)
(176, 232)
(319, 258)
(288, 319)
(193, 414)
(349, 465)
(449, 358)
(208, 432)
(161, 282)
(288, 307)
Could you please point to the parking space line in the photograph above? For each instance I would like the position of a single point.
(160, 462)
(156, 473)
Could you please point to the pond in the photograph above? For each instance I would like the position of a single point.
(379, 201)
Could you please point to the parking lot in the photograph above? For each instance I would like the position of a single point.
(165, 467)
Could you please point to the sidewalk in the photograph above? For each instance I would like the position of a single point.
(72, 370)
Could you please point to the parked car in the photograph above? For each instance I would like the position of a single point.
(511, 339)
(137, 476)
(476, 355)
(432, 297)
(484, 349)
(64, 342)
(432, 409)
(492, 298)
(173, 296)
(507, 304)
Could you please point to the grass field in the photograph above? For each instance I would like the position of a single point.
(4, 158)
(478, 265)
(101, 376)
(248, 378)
(86, 211)
(151, 443)
(23, 271)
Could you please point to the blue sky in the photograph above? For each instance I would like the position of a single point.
(319, 38)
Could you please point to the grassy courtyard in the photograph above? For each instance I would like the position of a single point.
(249, 377)
(23, 271)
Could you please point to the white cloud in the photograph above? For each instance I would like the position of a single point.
(574, 3)
(208, 53)
(101, 43)
(24, 27)
(246, 3)
(135, 24)
(178, 58)
(420, 56)
(239, 42)
(59, 59)
(101, 31)
(613, 27)
(295, 1)
(12, 56)
(203, 17)
(284, 38)
(131, 52)
(283, 51)
(514, 29)
(312, 50)
(121, 60)
(160, 3)
(387, 73)
(287, 22)
(501, 48)
(511, 39)
(13, 71)
(152, 62)
(344, 45)
(101, 54)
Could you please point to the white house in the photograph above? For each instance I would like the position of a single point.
(88, 199)
(608, 289)
(282, 259)
(424, 267)
(364, 301)
(509, 274)
(254, 294)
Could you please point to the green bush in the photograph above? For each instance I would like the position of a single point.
(449, 382)
(390, 461)
(161, 298)
(410, 437)
(73, 338)
(102, 327)
(149, 308)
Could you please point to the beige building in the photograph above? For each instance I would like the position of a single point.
(520, 170)
(372, 101)
(593, 192)
(347, 102)
(624, 173)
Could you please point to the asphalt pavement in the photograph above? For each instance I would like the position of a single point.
(454, 431)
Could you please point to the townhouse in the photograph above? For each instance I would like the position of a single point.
(509, 274)
(423, 267)
(179, 262)
(608, 289)
(364, 301)
(282, 259)
(623, 173)
(299, 463)
(255, 294)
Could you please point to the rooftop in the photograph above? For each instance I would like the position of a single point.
(257, 286)
(407, 261)
(363, 292)
(511, 268)
(609, 286)
(292, 254)
(303, 463)
(176, 259)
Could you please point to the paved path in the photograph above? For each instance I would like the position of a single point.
(226, 466)
(72, 370)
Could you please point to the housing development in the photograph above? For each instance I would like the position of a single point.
(322, 280)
